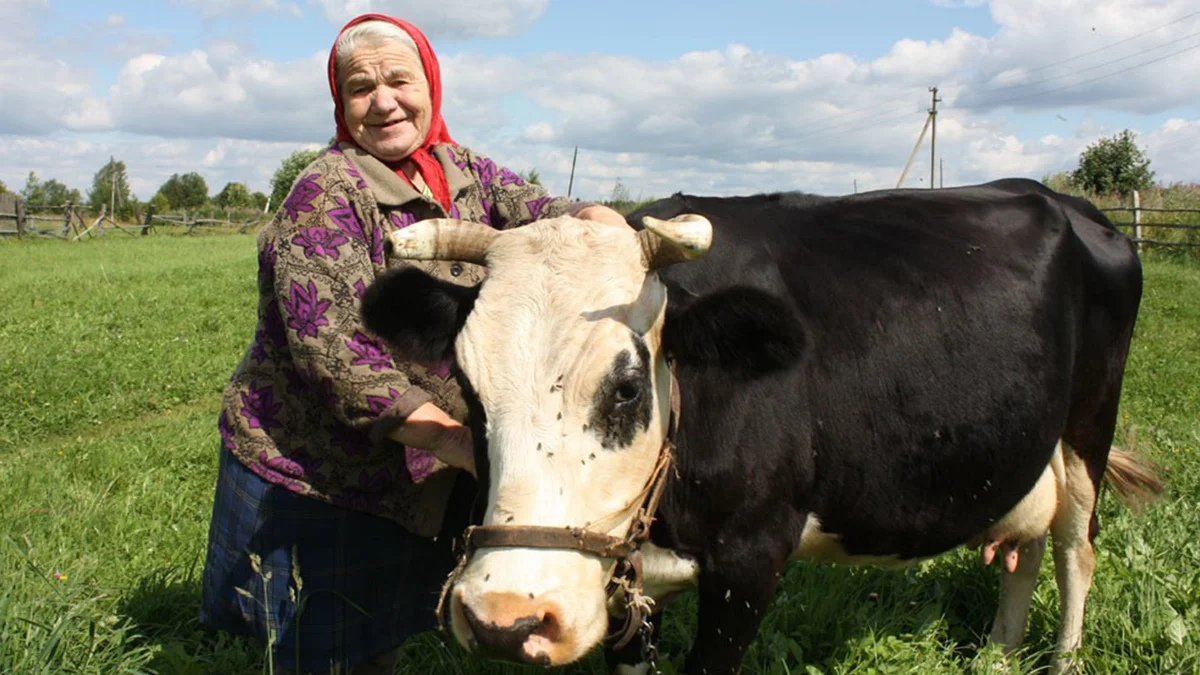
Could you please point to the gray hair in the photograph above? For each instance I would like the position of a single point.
(373, 32)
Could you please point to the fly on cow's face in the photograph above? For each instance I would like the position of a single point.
(621, 407)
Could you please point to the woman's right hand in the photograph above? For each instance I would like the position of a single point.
(429, 428)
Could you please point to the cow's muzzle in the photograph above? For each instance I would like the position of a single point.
(519, 629)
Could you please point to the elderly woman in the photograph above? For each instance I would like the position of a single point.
(344, 473)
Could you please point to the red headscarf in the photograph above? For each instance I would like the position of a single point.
(427, 164)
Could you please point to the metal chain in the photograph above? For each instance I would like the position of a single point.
(649, 651)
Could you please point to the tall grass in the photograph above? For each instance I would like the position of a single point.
(113, 354)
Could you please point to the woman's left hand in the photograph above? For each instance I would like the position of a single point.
(601, 214)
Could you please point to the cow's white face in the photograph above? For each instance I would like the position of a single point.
(563, 350)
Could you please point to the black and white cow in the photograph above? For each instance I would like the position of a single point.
(877, 378)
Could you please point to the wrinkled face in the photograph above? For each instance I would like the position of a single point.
(385, 100)
(566, 360)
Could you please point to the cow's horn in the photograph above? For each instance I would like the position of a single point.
(682, 238)
(441, 239)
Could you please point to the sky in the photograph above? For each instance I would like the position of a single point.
(662, 96)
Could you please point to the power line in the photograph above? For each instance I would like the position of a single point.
(1021, 85)
(1101, 77)
(1114, 44)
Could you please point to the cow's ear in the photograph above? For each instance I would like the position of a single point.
(417, 315)
(740, 329)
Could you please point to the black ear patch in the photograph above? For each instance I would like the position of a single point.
(416, 314)
(740, 329)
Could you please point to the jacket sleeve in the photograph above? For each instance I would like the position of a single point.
(515, 202)
(325, 255)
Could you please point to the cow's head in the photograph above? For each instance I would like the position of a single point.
(564, 347)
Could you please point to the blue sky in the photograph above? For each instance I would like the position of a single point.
(663, 96)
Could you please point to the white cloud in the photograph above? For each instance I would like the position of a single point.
(440, 19)
(219, 8)
(223, 92)
(1054, 53)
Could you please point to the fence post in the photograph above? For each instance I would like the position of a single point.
(20, 213)
(149, 220)
(67, 219)
(1137, 219)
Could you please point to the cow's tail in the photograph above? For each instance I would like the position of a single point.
(1133, 478)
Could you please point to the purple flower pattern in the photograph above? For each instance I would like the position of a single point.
(420, 464)
(376, 245)
(369, 353)
(320, 241)
(486, 218)
(536, 206)
(402, 219)
(275, 477)
(509, 178)
(377, 404)
(486, 170)
(258, 349)
(259, 408)
(439, 369)
(301, 198)
(360, 288)
(226, 430)
(306, 310)
(347, 219)
(282, 465)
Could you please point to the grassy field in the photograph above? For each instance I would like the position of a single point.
(113, 354)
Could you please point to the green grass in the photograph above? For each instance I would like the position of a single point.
(113, 354)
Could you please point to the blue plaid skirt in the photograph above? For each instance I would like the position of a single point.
(328, 585)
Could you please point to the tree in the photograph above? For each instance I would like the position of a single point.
(531, 177)
(288, 171)
(260, 200)
(186, 191)
(1114, 164)
(234, 196)
(112, 184)
(32, 194)
(160, 203)
(3, 187)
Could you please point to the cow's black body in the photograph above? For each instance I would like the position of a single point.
(951, 338)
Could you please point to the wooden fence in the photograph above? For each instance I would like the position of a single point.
(1137, 210)
(16, 220)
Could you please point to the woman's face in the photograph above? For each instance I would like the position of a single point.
(385, 100)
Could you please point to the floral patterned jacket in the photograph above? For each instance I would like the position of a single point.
(311, 402)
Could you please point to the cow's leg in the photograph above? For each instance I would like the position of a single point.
(1074, 558)
(1016, 592)
(628, 660)
(734, 595)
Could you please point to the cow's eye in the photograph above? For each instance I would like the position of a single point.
(627, 393)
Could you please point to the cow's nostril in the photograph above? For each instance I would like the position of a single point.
(551, 627)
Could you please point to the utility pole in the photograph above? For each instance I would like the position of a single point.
(933, 135)
(571, 182)
(112, 191)
(942, 173)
